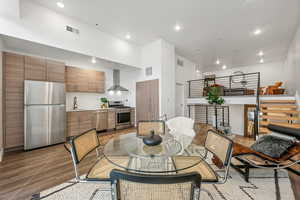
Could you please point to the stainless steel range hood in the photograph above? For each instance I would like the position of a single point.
(116, 82)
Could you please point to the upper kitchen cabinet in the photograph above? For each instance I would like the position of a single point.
(35, 69)
(83, 80)
(55, 71)
(40, 69)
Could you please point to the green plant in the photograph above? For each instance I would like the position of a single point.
(104, 100)
(213, 97)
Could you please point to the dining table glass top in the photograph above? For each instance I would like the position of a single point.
(144, 158)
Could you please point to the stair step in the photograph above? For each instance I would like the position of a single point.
(265, 123)
(277, 106)
(264, 130)
(278, 101)
(280, 117)
(281, 111)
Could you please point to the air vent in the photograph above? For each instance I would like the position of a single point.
(71, 29)
(149, 71)
(180, 62)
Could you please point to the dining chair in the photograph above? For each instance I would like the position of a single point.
(220, 147)
(145, 127)
(127, 185)
(182, 129)
(82, 145)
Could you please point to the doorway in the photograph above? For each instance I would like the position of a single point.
(179, 101)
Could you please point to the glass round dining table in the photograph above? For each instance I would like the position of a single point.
(130, 153)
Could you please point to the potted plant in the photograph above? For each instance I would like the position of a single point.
(214, 99)
(104, 102)
(213, 96)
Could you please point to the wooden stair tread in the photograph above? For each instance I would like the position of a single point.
(281, 111)
(278, 101)
(277, 106)
(265, 123)
(264, 130)
(280, 117)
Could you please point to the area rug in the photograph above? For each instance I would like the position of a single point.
(260, 188)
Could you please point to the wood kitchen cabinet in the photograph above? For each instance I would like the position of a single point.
(111, 119)
(40, 69)
(13, 97)
(102, 120)
(55, 71)
(83, 80)
(35, 68)
(79, 122)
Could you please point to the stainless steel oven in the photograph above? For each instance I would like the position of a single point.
(123, 118)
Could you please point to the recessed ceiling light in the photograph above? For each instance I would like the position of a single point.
(261, 53)
(177, 27)
(60, 4)
(93, 60)
(224, 67)
(261, 60)
(257, 31)
(218, 62)
(128, 36)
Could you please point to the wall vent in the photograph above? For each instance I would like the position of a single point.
(180, 62)
(73, 30)
(149, 71)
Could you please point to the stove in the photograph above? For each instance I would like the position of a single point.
(123, 114)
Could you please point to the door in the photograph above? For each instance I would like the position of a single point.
(36, 92)
(147, 100)
(179, 101)
(57, 124)
(57, 93)
(35, 68)
(36, 126)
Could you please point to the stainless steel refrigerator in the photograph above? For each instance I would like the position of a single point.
(45, 113)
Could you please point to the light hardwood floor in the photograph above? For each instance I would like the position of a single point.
(25, 173)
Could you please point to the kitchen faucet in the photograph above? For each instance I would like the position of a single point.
(75, 103)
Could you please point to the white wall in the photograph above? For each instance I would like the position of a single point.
(44, 26)
(1, 91)
(185, 73)
(10, 8)
(292, 64)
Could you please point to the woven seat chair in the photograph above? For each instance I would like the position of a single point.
(134, 186)
(145, 127)
(221, 148)
(82, 145)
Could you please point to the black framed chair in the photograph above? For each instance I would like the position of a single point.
(134, 186)
(82, 145)
(221, 148)
(145, 127)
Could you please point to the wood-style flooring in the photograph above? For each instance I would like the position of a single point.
(25, 173)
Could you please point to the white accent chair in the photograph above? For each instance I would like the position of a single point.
(182, 129)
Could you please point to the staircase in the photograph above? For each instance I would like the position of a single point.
(279, 112)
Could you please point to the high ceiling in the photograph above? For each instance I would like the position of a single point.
(211, 29)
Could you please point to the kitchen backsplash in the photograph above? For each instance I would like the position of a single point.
(91, 101)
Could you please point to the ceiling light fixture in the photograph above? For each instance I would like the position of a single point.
(261, 53)
(60, 4)
(257, 31)
(93, 60)
(197, 71)
(177, 27)
(261, 60)
(218, 62)
(128, 36)
(224, 67)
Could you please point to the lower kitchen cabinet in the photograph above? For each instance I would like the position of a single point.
(79, 122)
(101, 120)
(111, 119)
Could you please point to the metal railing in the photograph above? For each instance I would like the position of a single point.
(242, 84)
